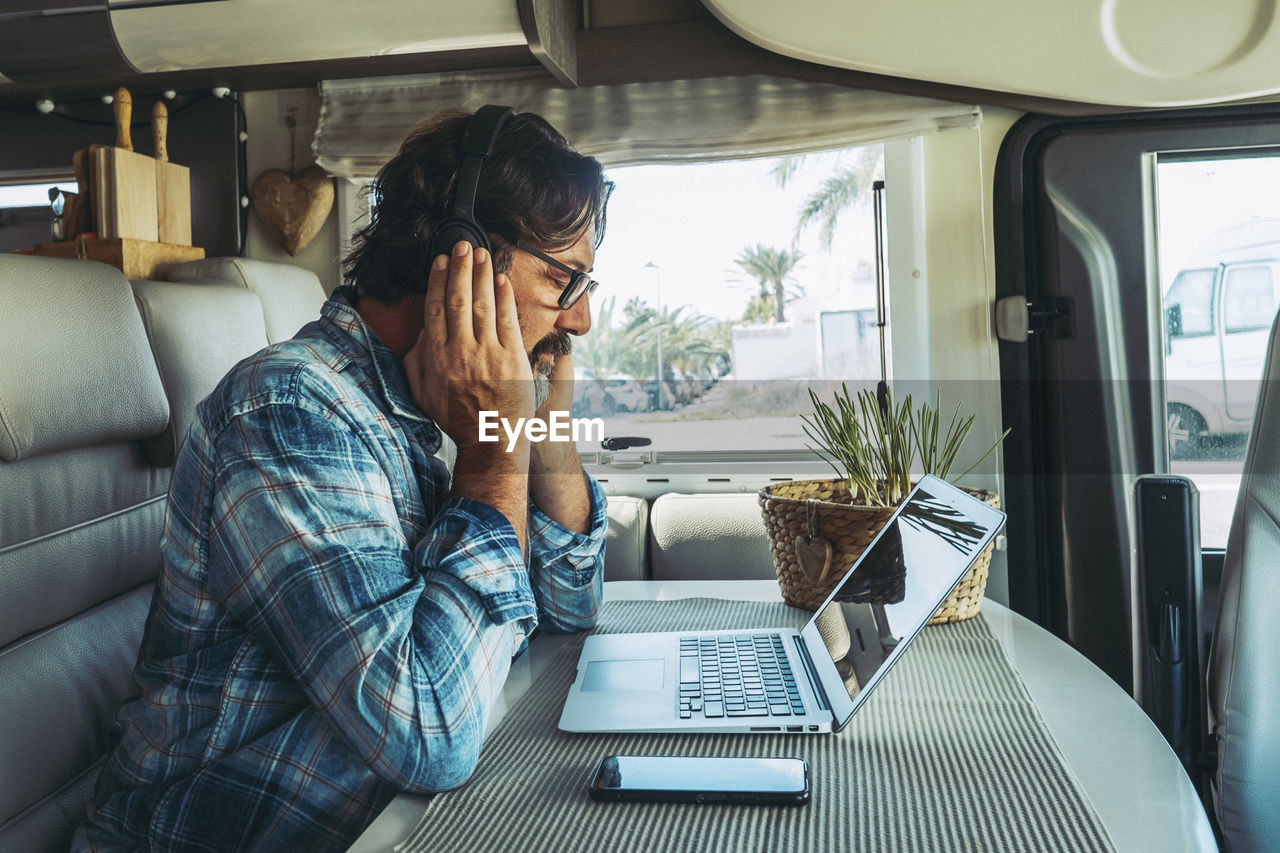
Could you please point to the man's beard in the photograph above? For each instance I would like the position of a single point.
(556, 343)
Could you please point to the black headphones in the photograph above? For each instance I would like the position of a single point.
(477, 144)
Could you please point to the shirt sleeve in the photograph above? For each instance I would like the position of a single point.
(566, 567)
(402, 648)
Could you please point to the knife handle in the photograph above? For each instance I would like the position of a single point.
(160, 130)
(123, 107)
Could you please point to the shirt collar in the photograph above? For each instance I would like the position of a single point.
(363, 345)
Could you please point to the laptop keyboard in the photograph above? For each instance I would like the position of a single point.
(736, 675)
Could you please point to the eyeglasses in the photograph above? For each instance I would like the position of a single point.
(580, 284)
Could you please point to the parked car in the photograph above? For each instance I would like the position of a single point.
(668, 395)
(1217, 314)
(628, 393)
(606, 397)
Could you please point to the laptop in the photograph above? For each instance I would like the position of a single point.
(784, 680)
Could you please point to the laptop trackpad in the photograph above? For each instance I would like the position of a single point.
(622, 675)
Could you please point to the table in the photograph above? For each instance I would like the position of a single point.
(1124, 765)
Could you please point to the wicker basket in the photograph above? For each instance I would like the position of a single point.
(796, 509)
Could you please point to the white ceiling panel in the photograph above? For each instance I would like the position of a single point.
(1132, 53)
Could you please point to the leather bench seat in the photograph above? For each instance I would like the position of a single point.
(101, 378)
(100, 383)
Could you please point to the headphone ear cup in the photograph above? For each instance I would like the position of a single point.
(451, 231)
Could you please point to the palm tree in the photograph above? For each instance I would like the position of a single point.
(849, 185)
(692, 341)
(601, 352)
(771, 268)
(759, 310)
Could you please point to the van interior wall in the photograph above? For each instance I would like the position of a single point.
(273, 145)
(941, 278)
(202, 135)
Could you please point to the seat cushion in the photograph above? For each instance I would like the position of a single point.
(709, 537)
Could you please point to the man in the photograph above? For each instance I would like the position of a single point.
(336, 614)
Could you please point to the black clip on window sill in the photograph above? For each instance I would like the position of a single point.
(625, 442)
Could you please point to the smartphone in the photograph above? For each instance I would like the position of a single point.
(701, 779)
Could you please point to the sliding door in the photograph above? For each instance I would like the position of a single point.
(1146, 250)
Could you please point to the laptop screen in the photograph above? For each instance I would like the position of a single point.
(897, 585)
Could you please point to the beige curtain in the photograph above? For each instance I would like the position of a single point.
(363, 122)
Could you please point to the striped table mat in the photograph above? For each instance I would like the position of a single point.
(948, 754)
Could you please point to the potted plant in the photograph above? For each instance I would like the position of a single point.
(819, 528)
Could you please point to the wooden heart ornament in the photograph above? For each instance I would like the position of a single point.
(293, 207)
(813, 556)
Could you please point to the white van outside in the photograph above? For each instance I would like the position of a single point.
(1217, 313)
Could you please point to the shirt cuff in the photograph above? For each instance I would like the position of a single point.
(477, 544)
(549, 540)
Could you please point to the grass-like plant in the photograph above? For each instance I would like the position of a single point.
(873, 447)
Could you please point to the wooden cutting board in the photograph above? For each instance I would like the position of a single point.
(124, 182)
(173, 185)
(137, 258)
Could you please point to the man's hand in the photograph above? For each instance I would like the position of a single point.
(556, 482)
(561, 396)
(470, 358)
(470, 354)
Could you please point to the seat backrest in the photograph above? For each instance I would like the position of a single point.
(1244, 664)
(709, 537)
(197, 333)
(100, 384)
(81, 509)
(291, 296)
(628, 537)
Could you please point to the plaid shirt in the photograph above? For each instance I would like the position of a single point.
(330, 626)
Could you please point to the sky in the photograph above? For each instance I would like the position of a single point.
(1198, 198)
(692, 221)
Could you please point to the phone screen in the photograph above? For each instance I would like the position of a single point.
(655, 778)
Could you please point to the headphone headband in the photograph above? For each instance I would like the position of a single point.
(478, 141)
(483, 129)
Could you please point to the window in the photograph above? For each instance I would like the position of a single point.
(1219, 238)
(713, 278)
(1249, 301)
(727, 290)
(26, 217)
(31, 195)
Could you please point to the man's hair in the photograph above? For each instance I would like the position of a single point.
(534, 187)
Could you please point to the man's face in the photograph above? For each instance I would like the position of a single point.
(544, 327)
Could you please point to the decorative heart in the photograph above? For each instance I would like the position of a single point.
(293, 207)
(813, 556)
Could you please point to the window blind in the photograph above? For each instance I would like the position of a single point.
(362, 122)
